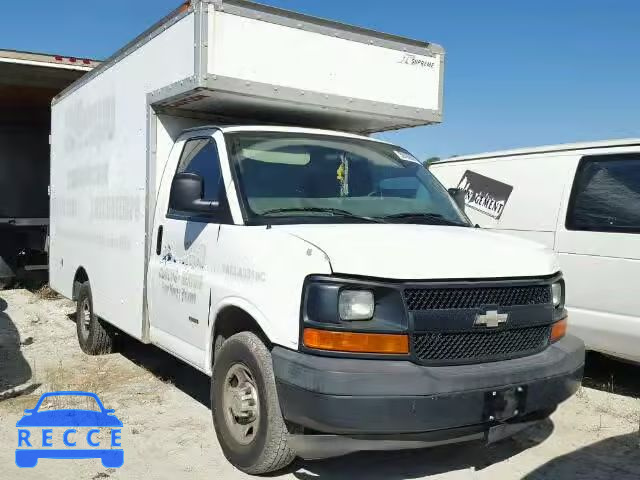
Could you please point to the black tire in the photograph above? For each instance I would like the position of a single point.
(94, 337)
(268, 451)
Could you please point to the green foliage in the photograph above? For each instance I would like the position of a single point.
(429, 161)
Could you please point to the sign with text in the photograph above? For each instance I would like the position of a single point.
(485, 194)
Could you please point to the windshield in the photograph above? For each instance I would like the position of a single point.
(307, 178)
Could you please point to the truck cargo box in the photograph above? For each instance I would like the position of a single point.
(272, 65)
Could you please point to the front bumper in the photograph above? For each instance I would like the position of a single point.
(357, 397)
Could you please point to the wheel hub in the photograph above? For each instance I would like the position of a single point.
(85, 317)
(241, 404)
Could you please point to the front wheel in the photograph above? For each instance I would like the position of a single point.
(244, 404)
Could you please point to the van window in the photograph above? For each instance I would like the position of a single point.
(606, 194)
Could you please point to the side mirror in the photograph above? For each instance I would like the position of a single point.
(458, 195)
(187, 192)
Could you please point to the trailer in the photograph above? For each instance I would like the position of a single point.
(215, 192)
(28, 83)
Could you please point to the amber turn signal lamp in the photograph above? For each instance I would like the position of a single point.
(356, 342)
(558, 330)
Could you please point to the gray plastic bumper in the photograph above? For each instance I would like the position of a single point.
(390, 397)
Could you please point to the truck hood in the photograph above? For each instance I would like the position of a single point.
(421, 252)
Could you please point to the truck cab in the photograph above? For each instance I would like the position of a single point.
(346, 260)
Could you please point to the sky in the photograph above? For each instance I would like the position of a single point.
(518, 73)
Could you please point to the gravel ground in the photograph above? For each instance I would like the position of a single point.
(168, 431)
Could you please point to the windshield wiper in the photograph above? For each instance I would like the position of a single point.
(333, 211)
(432, 218)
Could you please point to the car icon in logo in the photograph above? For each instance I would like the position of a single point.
(36, 431)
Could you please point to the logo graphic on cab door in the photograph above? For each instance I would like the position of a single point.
(53, 430)
(485, 194)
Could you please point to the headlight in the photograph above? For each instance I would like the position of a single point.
(556, 294)
(356, 304)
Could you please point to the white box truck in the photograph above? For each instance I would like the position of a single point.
(28, 82)
(214, 192)
(582, 200)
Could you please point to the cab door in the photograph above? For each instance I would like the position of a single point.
(598, 241)
(185, 246)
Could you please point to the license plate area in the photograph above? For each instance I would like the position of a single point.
(504, 404)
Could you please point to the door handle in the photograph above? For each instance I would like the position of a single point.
(159, 241)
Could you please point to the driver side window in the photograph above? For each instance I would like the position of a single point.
(200, 156)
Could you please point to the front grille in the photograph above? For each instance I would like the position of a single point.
(448, 298)
(479, 346)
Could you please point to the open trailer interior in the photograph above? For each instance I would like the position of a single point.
(28, 83)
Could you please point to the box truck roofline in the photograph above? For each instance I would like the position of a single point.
(266, 13)
(219, 81)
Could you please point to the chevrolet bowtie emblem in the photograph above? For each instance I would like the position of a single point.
(491, 319)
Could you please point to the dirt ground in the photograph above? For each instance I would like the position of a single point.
(168, 432)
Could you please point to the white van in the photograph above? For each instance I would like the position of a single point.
(582, 200)
(225, 203)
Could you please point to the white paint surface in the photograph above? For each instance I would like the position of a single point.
(99, 180)
(259, 51)
(425, 252)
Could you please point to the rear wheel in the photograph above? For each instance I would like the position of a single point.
(244, 403)
(94, 336)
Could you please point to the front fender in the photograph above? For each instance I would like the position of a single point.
(262, 271)
(269, 329)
